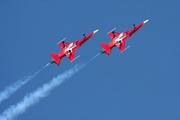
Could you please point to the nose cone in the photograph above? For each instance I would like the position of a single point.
(146, 21)
(96, 31)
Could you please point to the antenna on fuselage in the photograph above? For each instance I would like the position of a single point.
(84, 35)
(134, 26)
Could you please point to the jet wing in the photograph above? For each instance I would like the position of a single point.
(71, 55)
(113, 34)
(121, 46)
(63, 44)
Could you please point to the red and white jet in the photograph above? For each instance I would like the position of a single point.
(118, 39)
(68, 49)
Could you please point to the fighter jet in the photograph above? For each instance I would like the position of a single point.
(68, 49)
(118, 39)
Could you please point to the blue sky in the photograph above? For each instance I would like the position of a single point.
(140, 83)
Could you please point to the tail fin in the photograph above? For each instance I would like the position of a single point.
(55, 59)
(106, 48)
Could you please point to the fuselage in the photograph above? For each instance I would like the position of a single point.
(119, 37)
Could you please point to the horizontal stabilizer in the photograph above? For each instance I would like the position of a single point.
(106, 49)
(55, 59)
(104, 45)
(53, 55)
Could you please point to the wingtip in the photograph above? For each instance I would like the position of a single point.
(146, 21)
(111, 30)
(75, 58)
(61, 40)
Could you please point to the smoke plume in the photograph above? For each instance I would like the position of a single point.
(41, 92)
(15, 86)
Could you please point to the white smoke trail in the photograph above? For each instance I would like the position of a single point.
(15, 86)
(35, 96)
(95, 56)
